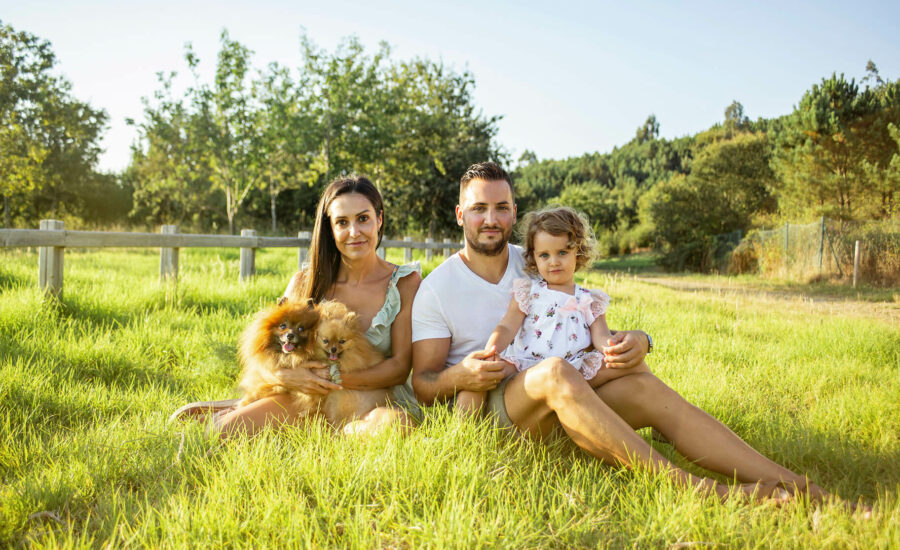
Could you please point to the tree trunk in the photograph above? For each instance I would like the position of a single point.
(272, 196)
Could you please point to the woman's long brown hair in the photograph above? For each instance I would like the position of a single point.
(324, 257)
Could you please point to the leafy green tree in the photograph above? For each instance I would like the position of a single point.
(287, 137)
(822, 151)
(171, 178)
(48, 139)
(229, 123)
(439, 133)
(596, 202)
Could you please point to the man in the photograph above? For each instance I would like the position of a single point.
(462, 300)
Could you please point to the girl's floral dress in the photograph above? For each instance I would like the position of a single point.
(556, 325)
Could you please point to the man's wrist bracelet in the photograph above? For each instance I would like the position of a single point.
(649, 342)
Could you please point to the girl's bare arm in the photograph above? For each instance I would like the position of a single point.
(507, 328)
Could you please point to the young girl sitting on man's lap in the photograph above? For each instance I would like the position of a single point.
(550, 316)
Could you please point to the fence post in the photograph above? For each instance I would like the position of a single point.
(447, 250)
(407, 252)
(304, 250)
(855, 263)
(429, 252)
(168, 257)
(787, 232)
(380, 252)
(50, 261)
(248, 257)
(821, 244)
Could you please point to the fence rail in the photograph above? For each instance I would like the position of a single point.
(52, 239)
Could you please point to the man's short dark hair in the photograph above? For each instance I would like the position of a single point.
(487, 171)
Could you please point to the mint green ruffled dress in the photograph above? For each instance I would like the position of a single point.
(379, 335)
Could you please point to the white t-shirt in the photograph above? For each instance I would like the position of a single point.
(453, 302)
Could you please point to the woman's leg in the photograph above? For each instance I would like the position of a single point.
(250, 419)
(380, 419)
(644, 400)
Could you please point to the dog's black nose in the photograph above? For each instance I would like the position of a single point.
(333, 349)
(290, 336)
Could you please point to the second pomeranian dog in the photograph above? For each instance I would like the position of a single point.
(344, 348)
(282, 336)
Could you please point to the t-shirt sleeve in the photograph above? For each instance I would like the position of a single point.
(427, 316)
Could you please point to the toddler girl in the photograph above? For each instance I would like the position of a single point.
(550, 316)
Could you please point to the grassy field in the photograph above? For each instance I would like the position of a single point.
(87, 458)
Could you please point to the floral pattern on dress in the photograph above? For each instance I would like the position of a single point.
(562, 329)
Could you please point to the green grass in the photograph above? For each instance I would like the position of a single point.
(640, 262)
(87, 459)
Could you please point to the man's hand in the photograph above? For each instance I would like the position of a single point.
(480, 371)
(313, 379)
(626, 349)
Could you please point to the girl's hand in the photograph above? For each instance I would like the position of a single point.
(626, 349)
(312, 379)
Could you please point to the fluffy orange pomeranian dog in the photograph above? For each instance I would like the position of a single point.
(344, 348)
(282, 336)
(339, 341)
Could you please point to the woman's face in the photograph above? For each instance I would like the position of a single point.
(355, 225)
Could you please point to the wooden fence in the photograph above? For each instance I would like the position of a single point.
(52, 239)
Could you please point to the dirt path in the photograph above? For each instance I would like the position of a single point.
(834, 305)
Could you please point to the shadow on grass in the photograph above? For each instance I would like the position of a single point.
(829, 460)
(9, 281)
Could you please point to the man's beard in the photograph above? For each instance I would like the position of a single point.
(487, 249)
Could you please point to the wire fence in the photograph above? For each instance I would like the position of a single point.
(825, 249)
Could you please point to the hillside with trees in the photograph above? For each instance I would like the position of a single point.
(254, 148)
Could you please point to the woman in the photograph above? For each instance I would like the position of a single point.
(344, 267)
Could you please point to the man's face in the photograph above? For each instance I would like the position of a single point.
(487, 213)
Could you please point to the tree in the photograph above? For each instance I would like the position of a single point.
(439, 134)
(820, 153)
(735, 120)
(48, 139)
(287, 138)
(169, 170)
(649, 131)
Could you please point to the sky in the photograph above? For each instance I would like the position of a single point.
(568, 78)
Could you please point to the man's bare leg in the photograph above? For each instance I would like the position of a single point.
(643, 400)
(554, 392)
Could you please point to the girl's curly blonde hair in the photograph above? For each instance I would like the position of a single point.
(558, 220)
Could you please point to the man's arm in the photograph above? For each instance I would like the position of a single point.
(432, 382)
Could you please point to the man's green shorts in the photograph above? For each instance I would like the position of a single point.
(495, 405)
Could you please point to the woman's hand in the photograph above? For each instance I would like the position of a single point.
(313, 379)
(626, 349)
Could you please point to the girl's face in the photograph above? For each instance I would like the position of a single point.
(554, 258)
(355, 225)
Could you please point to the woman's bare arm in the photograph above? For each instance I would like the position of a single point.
(395, 369)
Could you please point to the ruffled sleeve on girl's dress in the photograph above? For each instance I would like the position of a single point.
(600, 302)
(521, 291)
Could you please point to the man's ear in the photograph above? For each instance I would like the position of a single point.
(459, 215)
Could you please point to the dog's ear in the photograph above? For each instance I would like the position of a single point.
(282, 300)
(310, 303)
(351, 320)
